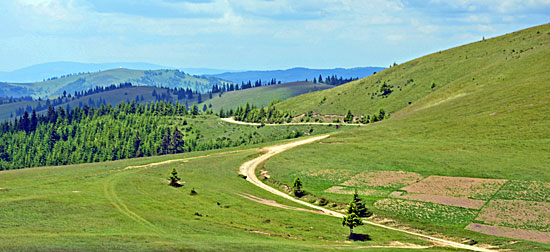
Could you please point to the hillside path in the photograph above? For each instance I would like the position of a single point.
(248, 168)
(231, 120)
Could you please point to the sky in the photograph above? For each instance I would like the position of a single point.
(251, 34)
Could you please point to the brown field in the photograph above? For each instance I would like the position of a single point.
(383, 179)
(472, 188)
(441, 199)
(517, 213)
(513, 233)
(364, 192)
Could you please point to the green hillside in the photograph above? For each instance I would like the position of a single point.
(264, 95)
(81, 82)
(488, 117)
(455, 72)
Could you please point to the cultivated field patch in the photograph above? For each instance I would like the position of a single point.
(514, 233)
(426, 211)
(441, 199)
(517, 214)
(387, 179)
(334, 175)
(472, 188)
(364, 192)
(525, 190)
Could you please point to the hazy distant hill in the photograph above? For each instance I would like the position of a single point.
(43, 71)
(85, 81)
(297, 74)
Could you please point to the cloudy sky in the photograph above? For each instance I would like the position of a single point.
(251, 34)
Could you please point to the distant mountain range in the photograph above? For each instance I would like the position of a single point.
(297, 74)
(50, 79)
(85, 81)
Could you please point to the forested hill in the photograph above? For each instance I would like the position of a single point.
(84, 81)
(488, 65)
(112, 95)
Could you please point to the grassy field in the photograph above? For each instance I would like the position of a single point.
(106, 207)
(264, 95)
(492, 123)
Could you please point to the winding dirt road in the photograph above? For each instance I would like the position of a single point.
(249, 167)
(231, 120)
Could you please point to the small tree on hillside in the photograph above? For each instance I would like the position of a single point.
(352, 220)
(297, 188)
(174, 178)
(349, 117)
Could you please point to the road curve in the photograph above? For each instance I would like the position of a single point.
(231, 120)
(249, 167)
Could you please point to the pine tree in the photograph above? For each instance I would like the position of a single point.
(297, 188)
(352, 220)
(174, 178)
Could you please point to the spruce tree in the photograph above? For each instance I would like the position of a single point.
(352, 220)
(174, 178)
(297, 188)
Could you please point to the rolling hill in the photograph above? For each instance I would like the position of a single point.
(297, 74)
(463, 158)
(81, 82)
(263, 95)
(456, 73)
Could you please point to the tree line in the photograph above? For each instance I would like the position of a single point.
(253, 114)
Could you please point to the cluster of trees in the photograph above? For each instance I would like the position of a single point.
(79, 135)
(98, 89)
(65, 75)
(381, 115)
(333, 80)
(251, 113)
(6, 100)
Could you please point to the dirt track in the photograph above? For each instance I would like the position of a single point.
(249, 167)
(231, 120)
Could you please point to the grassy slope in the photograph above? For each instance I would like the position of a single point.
(450, 70)
(103, 207)
(493, 121)
(166, 78)
(264, 95)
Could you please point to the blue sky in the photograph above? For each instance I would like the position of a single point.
(247, 34)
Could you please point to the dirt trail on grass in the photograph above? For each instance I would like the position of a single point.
(249, 167)
(231, 120)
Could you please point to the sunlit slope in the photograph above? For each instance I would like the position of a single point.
(481, 67)
(264, 95)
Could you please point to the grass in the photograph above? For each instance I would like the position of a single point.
(488, 117)
(103, 207)
(263, 95)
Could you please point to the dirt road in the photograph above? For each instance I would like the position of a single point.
(249, 167)
(231, 120)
